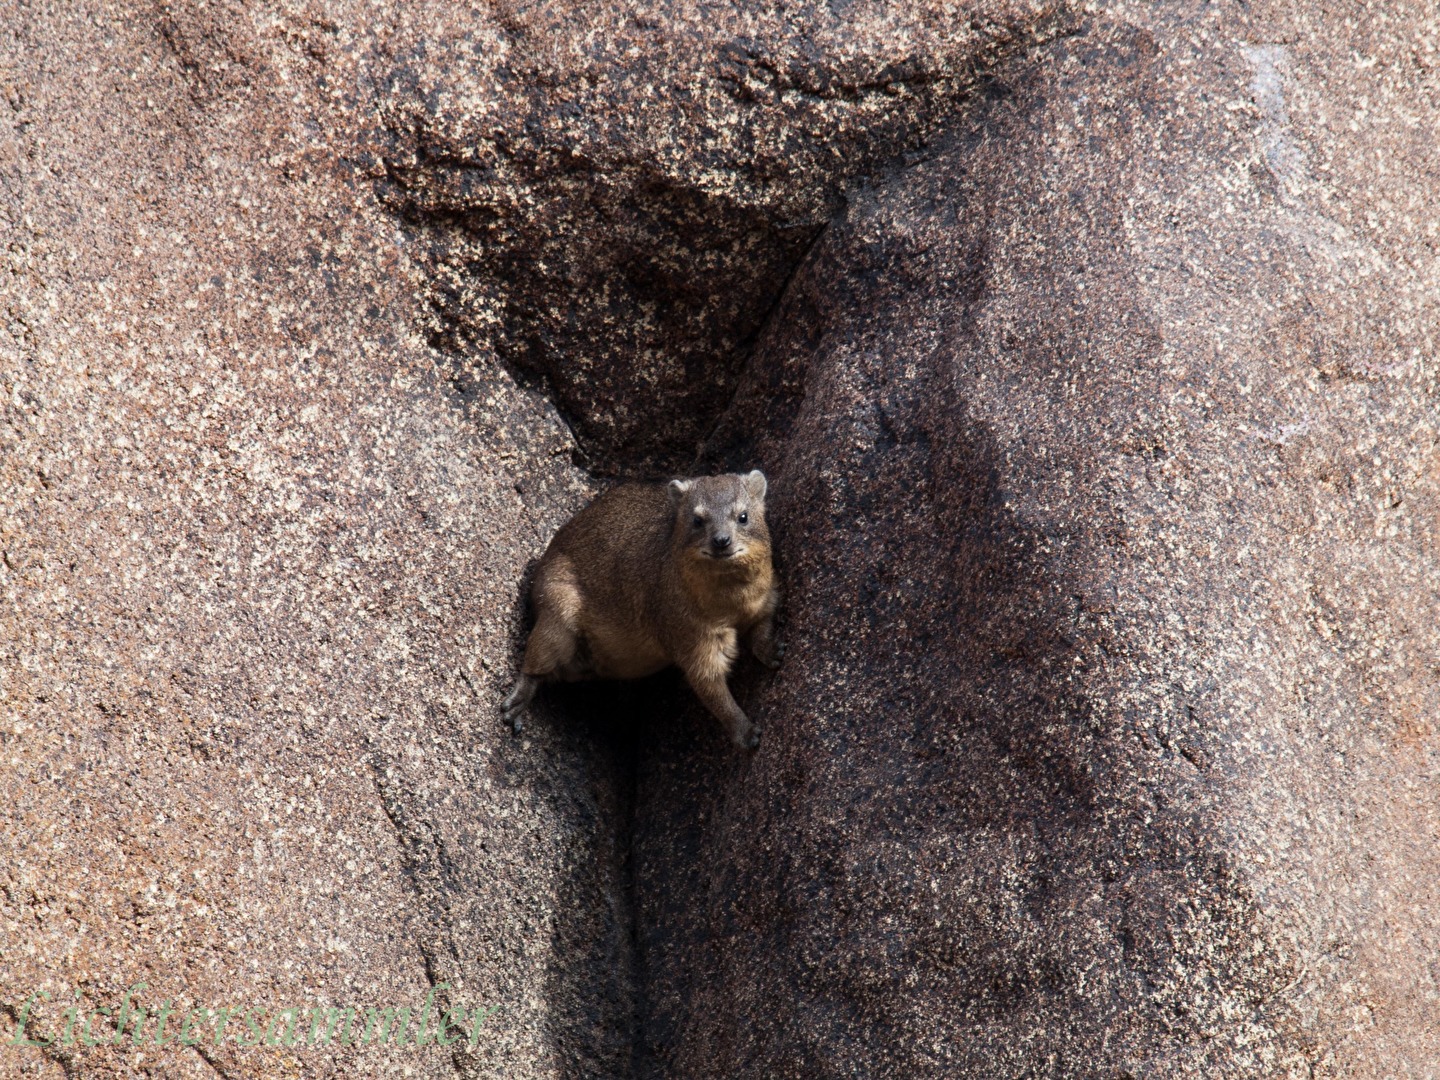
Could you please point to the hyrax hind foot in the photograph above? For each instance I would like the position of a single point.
(519, 701)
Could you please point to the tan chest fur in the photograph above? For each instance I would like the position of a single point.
(734, 599)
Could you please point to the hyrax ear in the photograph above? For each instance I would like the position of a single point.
(678, 488)
(755, 484)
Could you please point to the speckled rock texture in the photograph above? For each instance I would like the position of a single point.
(1105, 451)
(260, 580)
(1091, 357)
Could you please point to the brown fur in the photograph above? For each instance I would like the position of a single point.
(643, 578)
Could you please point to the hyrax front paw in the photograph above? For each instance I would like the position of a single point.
(749, 738)
(770, 654)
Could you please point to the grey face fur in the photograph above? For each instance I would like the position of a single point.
(719, 517)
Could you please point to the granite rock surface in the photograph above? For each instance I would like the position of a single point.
(1090, 354)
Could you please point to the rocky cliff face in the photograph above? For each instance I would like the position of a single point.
(1090, 355)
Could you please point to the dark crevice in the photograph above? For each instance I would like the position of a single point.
(629, 288)
(607, 718)
(636, 304)
(415, 851)
(708, 455)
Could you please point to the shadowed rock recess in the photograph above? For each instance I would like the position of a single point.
(1091, 357)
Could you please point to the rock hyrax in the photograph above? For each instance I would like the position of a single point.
(650, 575)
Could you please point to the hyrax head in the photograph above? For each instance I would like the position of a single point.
(721, 517)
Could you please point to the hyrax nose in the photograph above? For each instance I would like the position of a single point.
(721, 542)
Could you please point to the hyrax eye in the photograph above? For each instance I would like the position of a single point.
(699, 522)
(743, 518)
